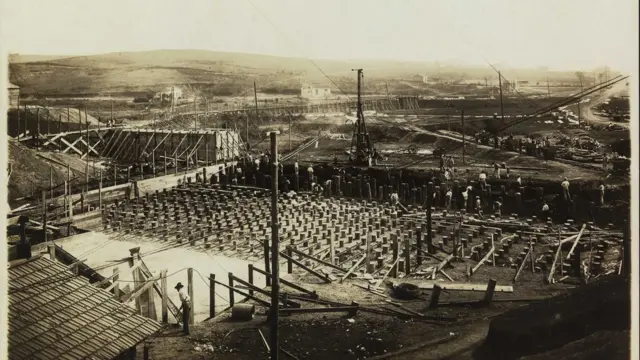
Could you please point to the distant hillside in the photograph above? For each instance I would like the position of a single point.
(219, 73)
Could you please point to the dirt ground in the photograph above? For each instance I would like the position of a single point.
(366, 335)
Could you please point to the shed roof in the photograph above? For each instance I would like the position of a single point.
(54, 314)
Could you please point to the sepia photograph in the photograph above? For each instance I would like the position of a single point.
(319, 179)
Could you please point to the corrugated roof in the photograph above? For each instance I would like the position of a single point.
(13, 86)
(54, 314)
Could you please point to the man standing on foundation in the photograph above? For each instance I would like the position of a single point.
(185, 307)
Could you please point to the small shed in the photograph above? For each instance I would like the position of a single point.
(54, 314)
(14, 96)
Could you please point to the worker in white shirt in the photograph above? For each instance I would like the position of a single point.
(447, 199)
(601, 188)
(394, 198)
(465, 197)
(545, 211)
(185, 307)
(519, 180)
(483, 179)
(295, 167)
(565, 189)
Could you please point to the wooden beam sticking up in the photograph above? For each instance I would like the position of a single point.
(484, 259)
(575, 243)
(524, 263)
(354, 267)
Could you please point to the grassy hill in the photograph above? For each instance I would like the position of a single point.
(220, 73)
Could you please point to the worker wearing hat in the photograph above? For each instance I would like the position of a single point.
(185, 307)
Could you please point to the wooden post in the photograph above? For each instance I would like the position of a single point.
(116, 285)
(493, 254)
(190, 289)
(51, 181)
(59, 123)
(430, 249)
(435, 296)
(463, 140)
(100, 192)
(251, 278)
(212, 295)
(488, 295)
(38, 125)
(165, 162)
(289, 262)
(419, 247)
(407, 256)
(165, 296)
(51, 248)
(267, 264)
(44, 216)
(395, 249)
(231, 297)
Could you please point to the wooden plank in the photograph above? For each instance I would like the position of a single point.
(575, 243)
(141, 289)
(553, 266)
(484, 259)
(428, 285)
(379, 282)
(318, 260)
(524, 262)
(354, 267)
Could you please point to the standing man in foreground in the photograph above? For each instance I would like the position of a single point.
(185, 308)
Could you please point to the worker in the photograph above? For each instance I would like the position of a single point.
(565, 189)
(185, 308)
(447, 199)
(605, 162)
(479, 206)
(497, 207)
(257, 163)
(369, 160)
(447, 175)
(442, 162)
(496, 170)
(519, 181)
(483, 179)
(295, 167)
(310, 172)
(508, 172)
(545, 211)
(465, 197)
(395, 199)
(601, 188)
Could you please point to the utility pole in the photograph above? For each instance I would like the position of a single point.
(501, 105)
(548, 89)
(111, 111)
(255, 97)
(463, 141)
(275, 247)
(289, 132)
(579, 103)
(195, 104)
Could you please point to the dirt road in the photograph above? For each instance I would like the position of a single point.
(617, 89)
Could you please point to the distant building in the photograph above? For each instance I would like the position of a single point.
(309, 92)
(14, 96)
(425, 79)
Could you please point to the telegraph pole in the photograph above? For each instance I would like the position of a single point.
(289, 132)
(548, 89)
(275, 247)
(501, 105)
(463, 141)
(579, 103)
(255, 98)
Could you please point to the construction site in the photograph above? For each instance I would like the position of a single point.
(381, 226)
(195, 204)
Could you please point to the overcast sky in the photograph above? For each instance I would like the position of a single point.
(561, 34)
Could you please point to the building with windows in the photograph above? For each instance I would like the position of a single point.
(310, 92)
(14, 96)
